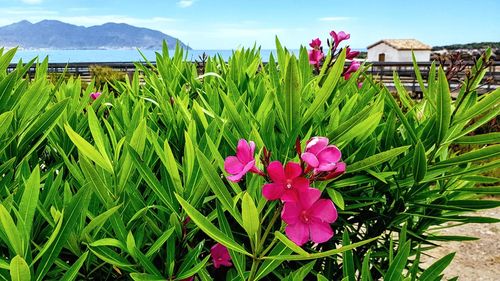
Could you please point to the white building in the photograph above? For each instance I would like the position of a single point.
(398, 50)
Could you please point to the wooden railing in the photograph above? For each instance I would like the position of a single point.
(384, 71)
(381, 71)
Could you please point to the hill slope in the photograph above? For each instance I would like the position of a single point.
(52, 34)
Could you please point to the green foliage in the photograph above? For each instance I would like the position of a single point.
(103, 189)
(103, 75)
(476, 45)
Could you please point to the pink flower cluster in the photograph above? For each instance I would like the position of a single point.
(308, 217)
(316, 53)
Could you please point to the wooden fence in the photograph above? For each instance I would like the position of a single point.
(381, 71)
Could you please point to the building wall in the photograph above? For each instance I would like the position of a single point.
(420, 55)
(393, 55)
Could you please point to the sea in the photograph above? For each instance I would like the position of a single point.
(75, 56)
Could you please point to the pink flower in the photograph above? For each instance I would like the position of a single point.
(220, 255)
(352, 68)
(350, 55)
(337, 171)
(360, 84)
(339, 37)
(95, 95)
(309, 218)
(287, 183)
(243, 162)
(315, 44)
(320, 156)
(315, 56)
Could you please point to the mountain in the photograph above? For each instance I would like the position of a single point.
(53, 34)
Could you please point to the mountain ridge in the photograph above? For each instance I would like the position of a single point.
(54, 34)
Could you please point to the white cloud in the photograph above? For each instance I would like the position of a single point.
(335, 18)
(32, 2)
(185, 3)
(23, 13)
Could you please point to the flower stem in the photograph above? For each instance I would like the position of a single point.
(269, 227)
(253, 270)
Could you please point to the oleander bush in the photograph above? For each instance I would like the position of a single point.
(143, 184)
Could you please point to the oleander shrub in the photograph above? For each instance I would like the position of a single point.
(145, 184)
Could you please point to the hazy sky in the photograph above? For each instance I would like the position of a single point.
(219, 24)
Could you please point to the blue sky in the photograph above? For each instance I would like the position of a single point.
(219, 24)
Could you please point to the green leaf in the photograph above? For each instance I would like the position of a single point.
(217, 186)
(44, 123)
(4, 264)
(474, 204)
(395, 271)
(419, 162)
(194, 270)
(443, 105)
(271, 264)
(51, 239)
(71, 218)
(112, 258)
(159, 242)
(327, 88)
(290, 244)
(206, 226)
(6, 58)
(96, 182)
(489, 101)
(239, 260)
(451, 238)
(488, 152)
(321, 254)
(365, 268)
(97, 133)
(433, 271)
(146, 277)
(321, 277)
(152, 181)
(479, 139)
(420, 80)
(72, 272)
(376, 159)
(99, 221)
(250, 215)
(14, 237)
(5, 120)
(104, 242)
(234, 114)
(293, 90)
(336, 197)
(88, 150)
(351, 122)
(19, 269)
(29, 200)
(347, 258)
(171, 166)
(302, 272)
(397, 109)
